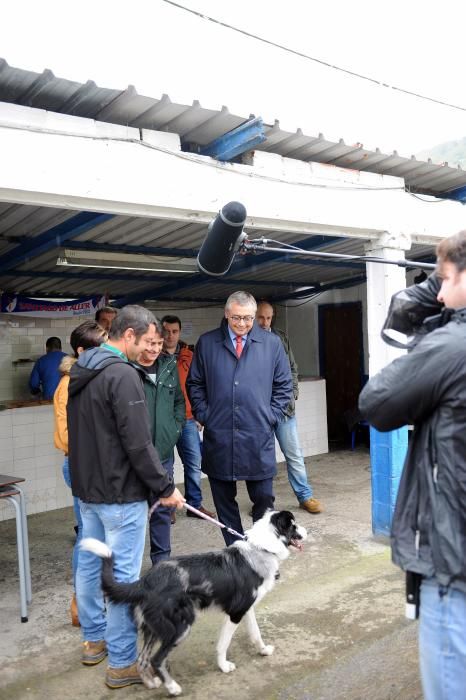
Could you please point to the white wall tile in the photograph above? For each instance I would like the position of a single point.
(5, 431)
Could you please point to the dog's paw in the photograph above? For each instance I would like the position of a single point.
(227, 666)
(173, 688)
(151, 681)
(267, 650)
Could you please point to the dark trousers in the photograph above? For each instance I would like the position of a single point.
(160, 524)
(224, 495)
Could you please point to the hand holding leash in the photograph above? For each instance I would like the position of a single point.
(176, 500)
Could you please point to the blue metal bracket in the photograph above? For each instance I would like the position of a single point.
(240, 140)
(458, 195)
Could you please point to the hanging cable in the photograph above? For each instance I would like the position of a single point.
(282, 47)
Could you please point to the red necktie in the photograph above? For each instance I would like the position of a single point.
(239, 346)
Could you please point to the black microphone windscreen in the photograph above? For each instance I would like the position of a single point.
(222, 240)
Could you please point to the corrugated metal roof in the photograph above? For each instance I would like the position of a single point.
(198, 126)
(40, 276)
(261, 279)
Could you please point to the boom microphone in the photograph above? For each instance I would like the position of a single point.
(224, 236)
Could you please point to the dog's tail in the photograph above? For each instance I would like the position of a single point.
(117, 592)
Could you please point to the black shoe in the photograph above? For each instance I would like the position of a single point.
(201, 509)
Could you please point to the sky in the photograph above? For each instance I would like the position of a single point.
(158, 48)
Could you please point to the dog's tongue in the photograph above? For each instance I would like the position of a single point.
(298, 544)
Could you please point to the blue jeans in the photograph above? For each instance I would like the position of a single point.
(123, 527)
(79, 522)
(160, 524)
(189, 449)
(286, 433)
(442, 642)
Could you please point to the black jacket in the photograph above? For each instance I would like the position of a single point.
(427, 388)
(112, 458)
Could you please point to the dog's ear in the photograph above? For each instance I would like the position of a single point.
(282, 521)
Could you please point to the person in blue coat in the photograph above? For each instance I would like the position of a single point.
(46, 375)
(239, 386)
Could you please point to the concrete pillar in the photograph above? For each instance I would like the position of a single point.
(388, 450)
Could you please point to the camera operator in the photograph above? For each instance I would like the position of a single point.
(427, 388)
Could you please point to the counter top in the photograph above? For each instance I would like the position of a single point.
(5, 405)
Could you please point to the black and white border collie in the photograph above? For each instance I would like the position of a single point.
(166, 599)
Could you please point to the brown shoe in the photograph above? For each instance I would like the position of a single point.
(201, 509)
(312, 505)
(93, 653)
(74, 612)
(121, 677)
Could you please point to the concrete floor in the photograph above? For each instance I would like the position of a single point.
(335, 617)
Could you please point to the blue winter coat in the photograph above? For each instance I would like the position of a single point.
(239, 401)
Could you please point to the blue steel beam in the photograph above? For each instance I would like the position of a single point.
(192, 253)
(242, 264)
(240, 140)
(111, 275)
(319, 288)
(52, 238)
(220, 301)
(312, 289)
(458, 195)
(213, 301)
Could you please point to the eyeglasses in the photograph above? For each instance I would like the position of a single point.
(246, 319)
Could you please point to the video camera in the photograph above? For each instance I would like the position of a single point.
(414, 312)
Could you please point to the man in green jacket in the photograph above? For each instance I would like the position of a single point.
(166, 407)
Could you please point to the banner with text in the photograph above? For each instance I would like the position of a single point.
(17, 304)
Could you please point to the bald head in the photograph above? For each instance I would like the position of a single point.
(264, 315)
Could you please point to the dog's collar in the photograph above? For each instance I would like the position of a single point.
(263, 549)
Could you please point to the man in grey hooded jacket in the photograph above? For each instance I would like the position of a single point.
(427, 388)
(114, 466)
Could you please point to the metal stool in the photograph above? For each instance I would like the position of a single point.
(10, 494)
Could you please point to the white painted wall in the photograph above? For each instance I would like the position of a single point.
(26, 434)
(115, 171)
(302, 325)
(27, 450)
(24, 338)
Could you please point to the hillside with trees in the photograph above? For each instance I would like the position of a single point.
(451, 152)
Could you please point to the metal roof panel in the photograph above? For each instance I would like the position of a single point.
(198, 125)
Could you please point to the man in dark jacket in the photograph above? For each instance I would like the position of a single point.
(114, 467)
(427, 388)
(166, 406)
(239, 386)
(286, 431)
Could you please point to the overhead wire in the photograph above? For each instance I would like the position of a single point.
(301, 54)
